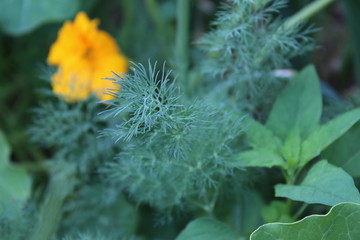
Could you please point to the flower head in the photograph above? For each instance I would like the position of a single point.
(84, 55)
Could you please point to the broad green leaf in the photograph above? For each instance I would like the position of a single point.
(292, 148)
(260, 136)
(298, 106)
(257, 158)
(15, 184)
(324, 184)
(345, 152)
(207, 229)
(4, 151)
(21, 16)
(327, 134)
(341, 223)
(352, 9)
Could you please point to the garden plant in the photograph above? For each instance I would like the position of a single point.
(186, 120)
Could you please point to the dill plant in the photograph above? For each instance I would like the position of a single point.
(71, 130)
(173, 150)
(15, 224)
(97, 206)
(247, 43)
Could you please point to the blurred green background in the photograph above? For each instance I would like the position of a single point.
(144, 29)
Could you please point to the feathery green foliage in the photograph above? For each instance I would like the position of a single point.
(88, 236)
(247, 44)
(69, 128)
(172, 150)
(16, 224)
(99, 206)
(150, 99)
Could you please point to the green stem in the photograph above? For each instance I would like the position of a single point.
(34, 167)
(307, 12)
(129, 20)
(155, 15)
(211, 204)
(182, 40)
(203, 207)
(286, 175)
(290, 179)
(288, 206)
(300, 210)
(61, 185)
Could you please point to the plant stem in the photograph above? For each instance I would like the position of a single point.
(300, 210)
(158, 22)
(155, 15)
(61, 184)
(203, 207)
(290, 178)
(129, 20)
(182, 39)
(288, 206)
(34, 167)
(307, 12)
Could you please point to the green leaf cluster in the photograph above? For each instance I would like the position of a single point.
(290, 141)
(325, 184)
(293, 136)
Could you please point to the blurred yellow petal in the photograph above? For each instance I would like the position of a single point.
(112, 63)
(84, 55)
(71, 86)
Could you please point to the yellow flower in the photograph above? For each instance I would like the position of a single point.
(84, 55)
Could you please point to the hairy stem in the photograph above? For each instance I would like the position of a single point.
(307, 12)
(182, 39)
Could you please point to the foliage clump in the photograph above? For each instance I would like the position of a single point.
(71, 131)
(247, 44)
(99, 206)
(172, 149)
(15, 223)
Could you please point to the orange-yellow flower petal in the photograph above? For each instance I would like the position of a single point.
(71, 86)
(114, 63)
(84, 55)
